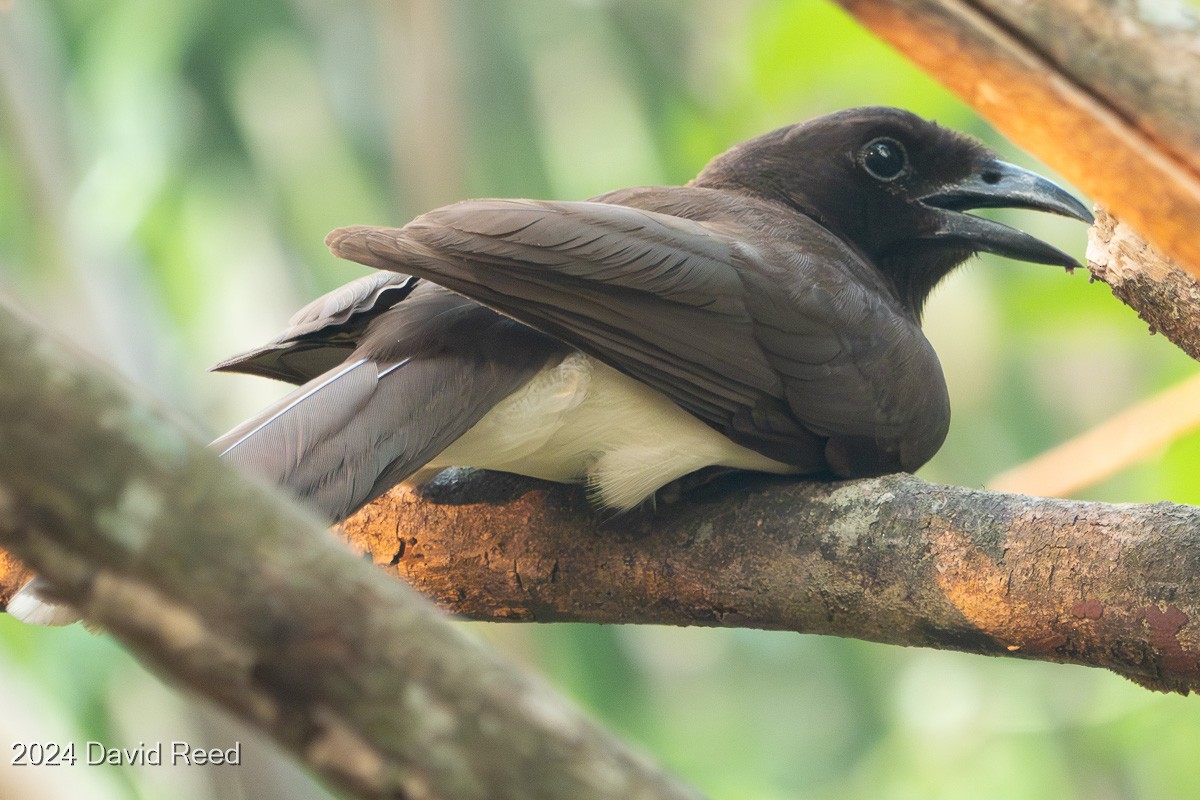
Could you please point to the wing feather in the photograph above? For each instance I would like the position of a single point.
(780, 345)
(325, 332)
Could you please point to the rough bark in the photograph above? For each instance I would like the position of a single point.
(892, 559)
(226, 587)
(1146, 280)
(1106, 91)
(144, 533)
(229, 590)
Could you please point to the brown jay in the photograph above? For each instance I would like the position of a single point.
(766, 316)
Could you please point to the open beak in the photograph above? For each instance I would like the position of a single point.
(998, 184)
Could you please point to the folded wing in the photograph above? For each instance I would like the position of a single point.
(772, 344)
(325, 332)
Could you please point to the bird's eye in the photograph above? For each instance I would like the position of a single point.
(885, 159)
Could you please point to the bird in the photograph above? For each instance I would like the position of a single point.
(765, 316)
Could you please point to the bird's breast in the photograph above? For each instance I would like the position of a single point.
(581, 420)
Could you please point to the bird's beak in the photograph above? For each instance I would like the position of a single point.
(998, 184)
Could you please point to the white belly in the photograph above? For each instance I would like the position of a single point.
(581, 420)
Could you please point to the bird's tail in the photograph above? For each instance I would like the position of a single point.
(346, 437)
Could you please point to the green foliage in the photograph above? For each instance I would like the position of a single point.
(168, 172)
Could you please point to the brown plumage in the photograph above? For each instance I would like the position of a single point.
(774, 301)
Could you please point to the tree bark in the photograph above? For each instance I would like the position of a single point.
(1146, 280)
(225, 586)
(13, 575)
(891, 559)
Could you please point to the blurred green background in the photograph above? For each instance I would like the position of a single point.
(168, 172)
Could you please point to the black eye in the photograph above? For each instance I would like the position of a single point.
(885, 159)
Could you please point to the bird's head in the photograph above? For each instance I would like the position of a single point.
(897, 187)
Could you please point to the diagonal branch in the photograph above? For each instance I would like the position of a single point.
(1108, 92)
(231, 590)
(1165, 296)
(1109, 447)
(147, 533)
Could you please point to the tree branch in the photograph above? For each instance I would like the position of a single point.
(236, 594)
(1109, 447)
(1146, 280)
(13, 575)
(892, 559)
(229, 589)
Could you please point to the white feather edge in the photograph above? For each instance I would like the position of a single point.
(305, 396)
(29, 606)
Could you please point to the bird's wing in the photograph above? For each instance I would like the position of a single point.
(765, 351)
(419, 378)
(323, 333)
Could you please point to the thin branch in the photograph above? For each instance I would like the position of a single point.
(1079, 101)
(1109, 447)
(229, 589)
(893, 560)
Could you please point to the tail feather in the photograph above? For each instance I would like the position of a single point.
(271, 423)
(346, 437)
(34, 604)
